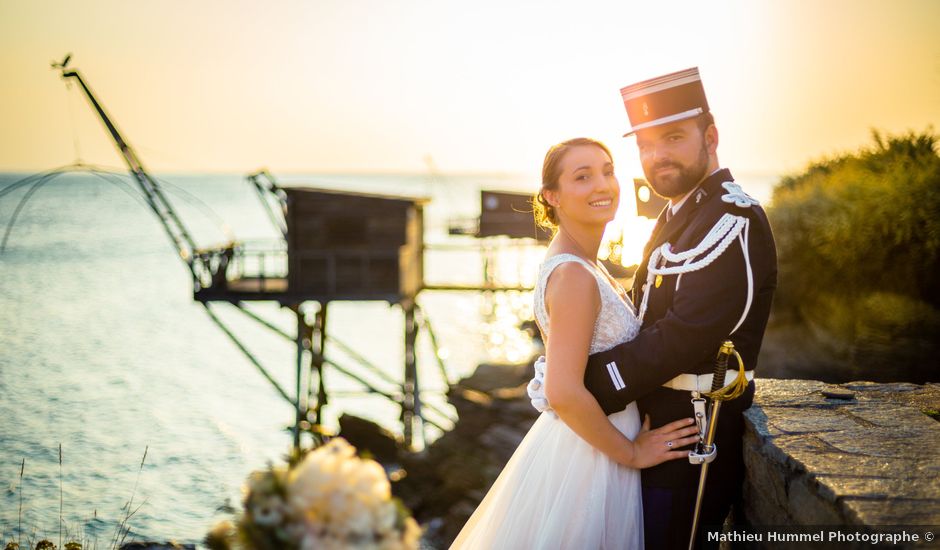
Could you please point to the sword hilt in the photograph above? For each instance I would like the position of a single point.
(721, 365)
(705, 450)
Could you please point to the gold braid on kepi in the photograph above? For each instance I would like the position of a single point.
(737, 386)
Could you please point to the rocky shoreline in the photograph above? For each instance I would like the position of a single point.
(444, 483)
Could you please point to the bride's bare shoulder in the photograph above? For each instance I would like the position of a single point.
(572, 283)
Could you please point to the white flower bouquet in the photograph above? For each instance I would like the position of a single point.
(330, 499)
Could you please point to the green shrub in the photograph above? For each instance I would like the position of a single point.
(858, 240)
(862, 222)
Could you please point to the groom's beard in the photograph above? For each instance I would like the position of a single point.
(684, 180)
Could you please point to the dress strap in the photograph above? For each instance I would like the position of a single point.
(554, 261)
(549, 265)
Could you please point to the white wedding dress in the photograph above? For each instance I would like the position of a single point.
(557, 491)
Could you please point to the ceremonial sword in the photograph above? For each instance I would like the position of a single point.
(706, 450)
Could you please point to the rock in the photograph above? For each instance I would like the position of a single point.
(493, 376)
(157, 546)
(446, 482)
(367, 436)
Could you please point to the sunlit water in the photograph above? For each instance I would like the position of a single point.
(103, 350)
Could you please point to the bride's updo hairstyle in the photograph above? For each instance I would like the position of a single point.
(545, 214)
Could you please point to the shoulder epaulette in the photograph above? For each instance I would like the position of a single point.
(735, 195)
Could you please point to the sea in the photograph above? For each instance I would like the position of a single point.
(116, 387)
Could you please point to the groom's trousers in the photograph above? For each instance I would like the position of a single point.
(669, 489)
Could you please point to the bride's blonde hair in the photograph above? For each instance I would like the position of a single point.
(545, 214)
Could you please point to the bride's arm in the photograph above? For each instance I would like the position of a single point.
(573, 304)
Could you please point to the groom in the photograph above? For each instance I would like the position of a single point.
(721, 288)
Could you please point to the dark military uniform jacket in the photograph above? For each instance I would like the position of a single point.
(683, 328)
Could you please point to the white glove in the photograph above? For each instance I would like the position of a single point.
(536, 387)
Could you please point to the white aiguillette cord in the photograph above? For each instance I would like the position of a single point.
(722, 234)
(728, 228)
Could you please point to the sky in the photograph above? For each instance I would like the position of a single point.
(482, 86)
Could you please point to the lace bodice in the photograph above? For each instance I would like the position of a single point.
(616, 322)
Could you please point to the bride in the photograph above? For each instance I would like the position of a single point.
(574, 480)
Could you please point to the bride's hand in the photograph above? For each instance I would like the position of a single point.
(652, 447)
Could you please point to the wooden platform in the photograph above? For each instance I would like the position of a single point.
(250, 289)
(258, 285)
(477, 288)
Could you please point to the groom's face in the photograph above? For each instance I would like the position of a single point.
(674, 157)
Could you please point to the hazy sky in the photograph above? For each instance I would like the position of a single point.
(487, 85)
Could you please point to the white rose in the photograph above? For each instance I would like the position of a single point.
(359, 521)
(384, 517)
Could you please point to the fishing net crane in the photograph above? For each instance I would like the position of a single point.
(156, 200)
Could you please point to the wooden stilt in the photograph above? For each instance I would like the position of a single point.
(411, 404)
(301, 411)
(319, 347)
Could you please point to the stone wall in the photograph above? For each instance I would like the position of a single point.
(856, 454)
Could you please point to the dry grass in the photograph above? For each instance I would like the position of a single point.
(69, 537)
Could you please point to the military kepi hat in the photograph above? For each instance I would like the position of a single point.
(668, 98)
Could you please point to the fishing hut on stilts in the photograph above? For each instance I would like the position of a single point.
(334, 246)
(338, 246)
